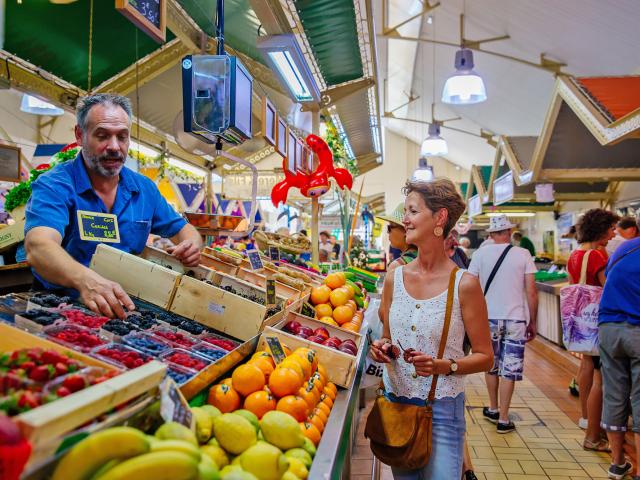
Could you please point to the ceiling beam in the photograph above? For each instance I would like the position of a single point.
(561, 175)
(333, 95)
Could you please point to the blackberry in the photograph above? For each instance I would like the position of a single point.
(119, 327)
(194, 328)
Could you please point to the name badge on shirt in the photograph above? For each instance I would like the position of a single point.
(98, 227)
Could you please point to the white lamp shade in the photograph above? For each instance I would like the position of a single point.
(463, 89)
(433, 146)
(34, 105)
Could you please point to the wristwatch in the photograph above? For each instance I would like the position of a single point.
(453, 368)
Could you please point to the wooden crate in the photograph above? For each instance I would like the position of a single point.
(260, 279)
(224, 311)
(137, 276)
(12, 234)
(217, 264)
(167, 260)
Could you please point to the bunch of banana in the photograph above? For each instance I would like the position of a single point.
(295, 274)
(287, 280)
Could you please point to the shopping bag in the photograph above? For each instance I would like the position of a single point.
(372, 369)
(579, 305)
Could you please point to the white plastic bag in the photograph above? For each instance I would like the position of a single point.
(372, 374)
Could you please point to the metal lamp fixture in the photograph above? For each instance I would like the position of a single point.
(284, 56)
(465, 86)
(424, 172)
(434, 144)
(35, 106)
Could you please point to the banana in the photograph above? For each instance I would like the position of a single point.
(105, 468)
(91, 453)
(204, 424)
(177, 446)
(359, 301)
(155, 466)
(349, 276)
(356, 288)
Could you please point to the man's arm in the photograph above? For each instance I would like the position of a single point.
(46, 255)
(532, 301)
(188, 245)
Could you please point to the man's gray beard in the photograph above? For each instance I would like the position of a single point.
(94, 164)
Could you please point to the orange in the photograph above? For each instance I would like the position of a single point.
(311, 432)
(316, 386)
(263, 364)
(228, 382)
(322, 372)
(338, 297)
(323, 310)
(319, 380)
(342, 314)
(331, 386)
(284, 381)
(329, 393)
(309, 396)
(304, 363)
(316, 412)
(350, 291)
(259, 403)
(352, 327)
(335, 280)
(287, 350)
(309, 355)
(320, 294)
(293, 365)
(329, 320)
(262, 354)
(248, 379)
(352, 305)
(324, 398)
(324, 408)
(294, 406)
(224, 398)
(317, 422)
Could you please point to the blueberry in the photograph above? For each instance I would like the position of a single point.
(178, 376)
(192, 327)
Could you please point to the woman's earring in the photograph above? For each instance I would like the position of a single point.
(438, 231)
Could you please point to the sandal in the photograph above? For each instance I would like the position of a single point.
(599, 446)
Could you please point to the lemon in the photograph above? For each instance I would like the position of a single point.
(309, 447)
(234, 433)
(301, 454)
(282, 430)
(298, 468)
(289, 476)
(251, 417)
(204, 424)
(176, 431)
(215, 453)
(265, 461)
(236, 473)
(211, 410)
(207, 469)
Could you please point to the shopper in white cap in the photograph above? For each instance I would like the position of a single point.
(506, 274)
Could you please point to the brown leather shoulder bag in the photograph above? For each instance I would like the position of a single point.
(399, 433)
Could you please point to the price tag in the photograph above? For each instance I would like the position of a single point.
(173, 406)
(277, 352)
(98, 227)
(274, 254)
(255, 260)
(271, 292)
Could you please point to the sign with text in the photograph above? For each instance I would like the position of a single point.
(173, 405)
(503, 189)
(474, 206)
(255, 260)
(9, 163)
(277, 352)
(274, 254)
(150, 16)
(271, 292)
(98, 227)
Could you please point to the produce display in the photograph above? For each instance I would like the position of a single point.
(74, 336)
(321, 336)
(339, 302)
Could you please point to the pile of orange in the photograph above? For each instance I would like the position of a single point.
(298, 386)
(334, 303)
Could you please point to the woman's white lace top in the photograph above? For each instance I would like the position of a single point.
(418, 324)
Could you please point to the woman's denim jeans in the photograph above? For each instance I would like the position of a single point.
(447, 438)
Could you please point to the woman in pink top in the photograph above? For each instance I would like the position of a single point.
(594, 230)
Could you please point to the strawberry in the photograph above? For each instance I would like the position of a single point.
(42, 373)
(63, 392)
(28, 365)
(61, 369)
(74, 383)
(53, 357)
(28, 400)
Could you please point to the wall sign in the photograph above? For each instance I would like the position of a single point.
(255, 260)
(281, 137)
(503, 189)
(474, 206)
(292, 161)
(269, 122)
(9, 163)
(98, 227)
(150, 16)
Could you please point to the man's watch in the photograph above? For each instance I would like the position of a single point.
(453, 368)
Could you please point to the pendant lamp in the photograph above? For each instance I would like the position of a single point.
(465, 86)
(434, 144)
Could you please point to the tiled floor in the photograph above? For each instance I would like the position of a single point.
(547, 442)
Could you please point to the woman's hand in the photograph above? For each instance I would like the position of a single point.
(377, 350)
(426, 365)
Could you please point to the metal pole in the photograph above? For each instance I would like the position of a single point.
(315, 202)
(220, 27)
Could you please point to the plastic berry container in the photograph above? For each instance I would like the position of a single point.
(176, 338)
(115, 329)
(142, 322)
(169, 319)
(9, 383)
(179, 374)
(83, 318)
(149, 344)
(74, 382)
(75, 337)
(121, 355)
(209, 351)
(183, 358)
(36, 321)
(220, 342)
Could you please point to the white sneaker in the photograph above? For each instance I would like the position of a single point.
(583, 423)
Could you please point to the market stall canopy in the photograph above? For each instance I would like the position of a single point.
(479, 182)
(514, 153)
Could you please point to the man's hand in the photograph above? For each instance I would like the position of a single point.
(532, 331)
(187, 252)
(104, 296)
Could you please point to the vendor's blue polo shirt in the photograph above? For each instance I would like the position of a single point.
(139, 206)
(620, 300)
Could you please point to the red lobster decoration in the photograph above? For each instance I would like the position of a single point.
(316, 184)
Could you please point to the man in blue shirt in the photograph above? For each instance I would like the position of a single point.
(58, 248)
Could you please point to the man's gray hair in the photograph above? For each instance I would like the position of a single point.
(86, 103)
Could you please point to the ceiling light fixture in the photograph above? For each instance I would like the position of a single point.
(284, 56)
(35, 106)
(423, 172)
(434, 144)
(465, 86)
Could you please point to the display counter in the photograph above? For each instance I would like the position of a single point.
(549, 321)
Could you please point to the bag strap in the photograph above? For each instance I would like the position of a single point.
(496, 268)
(583, 269)
(445, 330)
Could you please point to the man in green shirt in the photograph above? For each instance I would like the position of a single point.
(524, 242)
